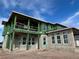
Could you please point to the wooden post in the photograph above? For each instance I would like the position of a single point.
(12, 40)
(28, 24)
(13, 33)
(38, 26)
(38, 42)
(38, 34)
(28, 34)
(27, 41)
(15, 21)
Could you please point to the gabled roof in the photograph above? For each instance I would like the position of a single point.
(62, 30)
(21, 14)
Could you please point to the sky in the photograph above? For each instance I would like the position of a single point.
(65, 12)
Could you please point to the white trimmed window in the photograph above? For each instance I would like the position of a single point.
(58, 39)
(53, 39)
(65, 38)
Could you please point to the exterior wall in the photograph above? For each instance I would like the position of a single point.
(70, 45)
(71, 39)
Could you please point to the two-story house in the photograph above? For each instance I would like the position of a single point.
(22, 32)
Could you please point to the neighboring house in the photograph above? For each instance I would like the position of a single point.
(22, 32)
(67, 38)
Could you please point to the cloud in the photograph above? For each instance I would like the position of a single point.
(3, 19)
(36, 6)
(72, 21)
(37, 14)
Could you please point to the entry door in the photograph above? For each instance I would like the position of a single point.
(32, 43)
(23, 43)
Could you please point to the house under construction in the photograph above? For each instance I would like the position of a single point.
(22, 32)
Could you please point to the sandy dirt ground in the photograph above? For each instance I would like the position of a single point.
(43, 54)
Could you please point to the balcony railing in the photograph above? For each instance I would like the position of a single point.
(21, 25)
(33, 28)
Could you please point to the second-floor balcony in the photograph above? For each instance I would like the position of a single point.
(25, 27)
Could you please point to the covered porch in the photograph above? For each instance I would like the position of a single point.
(25, 41)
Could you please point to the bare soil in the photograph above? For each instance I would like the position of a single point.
(41, 54)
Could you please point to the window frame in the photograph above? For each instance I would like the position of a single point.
(65, 36)
(59, 39)
(53, 40)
